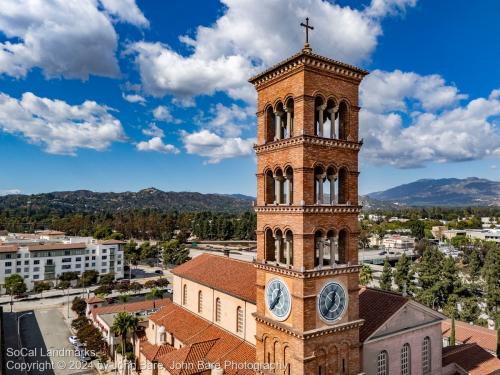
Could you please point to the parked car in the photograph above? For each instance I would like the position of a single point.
(73, 340)
(170, 290)
(382, 253)
(159, 272)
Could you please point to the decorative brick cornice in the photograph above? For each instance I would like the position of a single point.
(306, 140)
(340, 269)
(307, 59)
(312, 333)
(315, 209)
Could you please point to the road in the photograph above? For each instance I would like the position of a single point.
(44, 342)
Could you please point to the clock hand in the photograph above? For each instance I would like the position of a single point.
(332, 301)
(276, 299)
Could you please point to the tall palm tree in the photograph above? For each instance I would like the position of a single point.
(123, 323)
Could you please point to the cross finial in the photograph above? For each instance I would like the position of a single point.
(307, 48)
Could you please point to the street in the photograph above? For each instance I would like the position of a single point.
(44, 339)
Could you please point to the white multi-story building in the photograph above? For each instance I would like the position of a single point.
(396, 242)
(38, 261)
(484, 234)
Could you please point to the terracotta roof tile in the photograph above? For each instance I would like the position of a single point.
(468, 333)
(231, 276)
(94, 299)
(8, 248)
(190, 356)
(191, 329)
(471, 358)
(57, 246)
(153, 352)
(375, 307)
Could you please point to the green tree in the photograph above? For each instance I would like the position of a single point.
(14, 284)
(123, 323)
(41, 287)
(64, 284)
(474, 265)
(452, 333)
(147, 251)
(386, 277)
(107, 279)
(403, 274)
(89, 277)
(68, 276)
(155, 294)
(469, 310)
(92, 338)
(123, 298)
(78, 306)
(417, 228)
(175, 253)
(366, 275)
(491, 277)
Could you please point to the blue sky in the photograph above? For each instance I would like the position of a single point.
(114, 95)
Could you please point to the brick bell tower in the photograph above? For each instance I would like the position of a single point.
(307, 216)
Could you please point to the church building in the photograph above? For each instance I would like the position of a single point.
(298, 309)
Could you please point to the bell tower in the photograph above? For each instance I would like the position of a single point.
(307, 216)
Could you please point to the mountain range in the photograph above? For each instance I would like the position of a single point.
(427, 192)
(470, 191)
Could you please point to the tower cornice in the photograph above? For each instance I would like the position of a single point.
(308, 140)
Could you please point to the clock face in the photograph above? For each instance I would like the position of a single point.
(278, 299)
(332, 301)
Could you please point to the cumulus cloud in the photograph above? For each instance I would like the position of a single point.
(72, 39)
(153, 131)
(134, 98)
(245, 39)
(61, 128)
(126, 11)
(408, 120)
(162, 113)
(216, 148)
(156, 144)
(231, 120)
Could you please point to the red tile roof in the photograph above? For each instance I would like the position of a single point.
(376, 307)
(94, 299)
(191, 329)
(231, 276)
(191, 356)
(131, 307)
(57, 246)
(153, 352)
(468, 333)
(471, 358)
(8, 248)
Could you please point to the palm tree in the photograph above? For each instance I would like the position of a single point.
(154, 294)
(123, 323)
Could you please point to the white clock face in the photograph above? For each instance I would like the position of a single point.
(332, 301)
(278, 299)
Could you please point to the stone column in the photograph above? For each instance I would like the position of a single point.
(288, 122)
(332, 189)
(278, 181)
(333, 113)
(289, 187)
(277, 124)
(320, 109)
(288, 252)
(277, 248)
(321, 245)
(320, 178)
(332, 250)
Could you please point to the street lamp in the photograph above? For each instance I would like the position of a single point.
(18, 319)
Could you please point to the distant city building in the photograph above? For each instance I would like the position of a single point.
(452, 233)
(399, 219)
(375, 217)
(47, 255)
(396, 242)
(484, 234)
(437, 231)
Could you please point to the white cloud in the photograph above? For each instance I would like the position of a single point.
(216, 148)
(156, 144)
(153, 131)
(9, 191)
(246, 38)
(65, 38)
(61, 128)
(231, 120)
(408, 120)
(162, 113)
(134, 98)
(126, 11)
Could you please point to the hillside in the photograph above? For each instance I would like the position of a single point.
(88, 201)
(470, 191)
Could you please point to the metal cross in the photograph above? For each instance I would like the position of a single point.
(307, 27)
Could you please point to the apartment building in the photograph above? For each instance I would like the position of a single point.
(396, 242)
(45, 260)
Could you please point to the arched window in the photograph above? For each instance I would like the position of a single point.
(239, 319)
(289, 108)
(288, 186)
(405, 360)
(426, 356)
(343, 246)
(279, 121)
(331, 179)
(319, 179)
(343, 121)
(184, 294)
(343, 188)
(319, 116)
(200, 302)
(382, 363)
(217, 310)
(279, 182)
(279, 245)
(331, 124)
(330, 253)
(269, 192)
(289, 248)
(270, 126)
(270, 249)
(319, 243)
